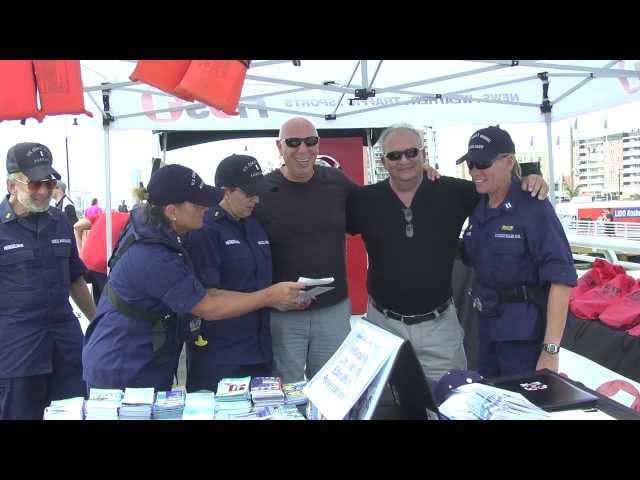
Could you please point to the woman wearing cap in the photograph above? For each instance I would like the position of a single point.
(231, 252)
(153, 300)
(522, 260)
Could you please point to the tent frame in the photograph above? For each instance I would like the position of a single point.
(363, 91)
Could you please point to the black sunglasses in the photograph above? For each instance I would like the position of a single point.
(484, 164)
(408, 217)
(295, 142)
(397, 154)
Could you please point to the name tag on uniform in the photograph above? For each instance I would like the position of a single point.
(13, 246)
(232, 242)
(56, 241)
(507, 235)
(263, 242)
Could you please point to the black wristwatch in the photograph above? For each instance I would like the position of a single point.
(551, 348)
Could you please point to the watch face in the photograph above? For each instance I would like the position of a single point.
(551, 347)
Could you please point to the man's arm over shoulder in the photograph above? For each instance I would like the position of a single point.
(464, 191)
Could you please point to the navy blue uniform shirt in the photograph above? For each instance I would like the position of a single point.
(519, 243)
(231, 255)
(38, 262)
(151, 276)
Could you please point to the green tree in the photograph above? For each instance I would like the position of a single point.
(572, 191)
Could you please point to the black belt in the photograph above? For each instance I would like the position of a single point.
(412, 319)
(514, 295)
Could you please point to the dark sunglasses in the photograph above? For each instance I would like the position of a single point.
(408, 217)
(484, 164)
(295, 142)
(397, 155)
(34, 186)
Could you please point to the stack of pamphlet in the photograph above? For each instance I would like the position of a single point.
(266, 391)
(293, 394)
(233, 397)
(137, 404)
(103, 404)
(199, 406)
(476, 401)
(67, 409)
(287, 412)
(169, 405)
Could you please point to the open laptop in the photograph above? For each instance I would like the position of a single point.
(408, 395)
(547, 390)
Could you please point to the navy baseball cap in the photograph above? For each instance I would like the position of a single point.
(176, 184)
(486, 144)
(454, 379)
(240, 171)
(32, 159)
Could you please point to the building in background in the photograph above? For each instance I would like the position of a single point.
(607, 166)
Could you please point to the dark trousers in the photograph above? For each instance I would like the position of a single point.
(97, 280)
(25, 398)
(218, 372)
(516, 357)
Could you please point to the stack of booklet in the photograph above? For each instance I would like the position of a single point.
(67, 409)
(137, 404)
(476, 401)
(293, 394)
(103, 404)
(267, 391)
(169, 405)
(279, 412)
(199, 406)
(233, 396)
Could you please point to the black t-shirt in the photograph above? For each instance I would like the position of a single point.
(306, 225)
(411, 275)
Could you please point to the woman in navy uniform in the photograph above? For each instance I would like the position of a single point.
(153, 301)
(231, 252)
(522, 260)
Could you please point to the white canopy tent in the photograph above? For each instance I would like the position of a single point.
(350, 94)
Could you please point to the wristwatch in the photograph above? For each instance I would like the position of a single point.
(552, 348)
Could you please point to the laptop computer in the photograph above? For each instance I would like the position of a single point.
(408, 395)
(547, 390)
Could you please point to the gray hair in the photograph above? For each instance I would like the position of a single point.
(62, 186)
(406, 127)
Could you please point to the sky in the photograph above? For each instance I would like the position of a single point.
(131, 151)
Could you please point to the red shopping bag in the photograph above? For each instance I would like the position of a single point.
(601, 272)
(591, 304)
(635, 331)
(623, 314)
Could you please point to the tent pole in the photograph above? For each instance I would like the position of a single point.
(164, 147)
(552, 190)
(107, 119)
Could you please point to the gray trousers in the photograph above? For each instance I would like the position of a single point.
(307, 338)
(438, 343)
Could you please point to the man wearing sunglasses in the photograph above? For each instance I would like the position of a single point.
(411, 229)
(40, 337)
(302, 209)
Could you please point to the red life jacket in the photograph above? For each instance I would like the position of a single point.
(60, 87)
(165, 75)
(217, 83)
(18, 91)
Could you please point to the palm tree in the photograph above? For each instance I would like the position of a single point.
(572, 191)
